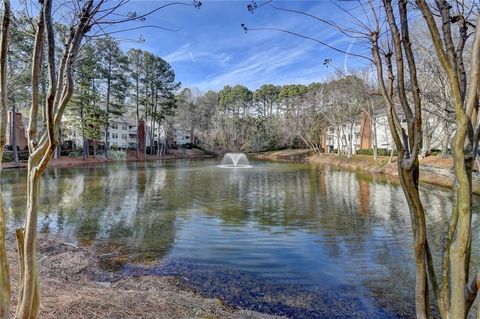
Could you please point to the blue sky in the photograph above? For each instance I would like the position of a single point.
(211, 50)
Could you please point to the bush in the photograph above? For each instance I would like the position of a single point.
(380, 152)
(75, 154)
(365, 151)
(117, 155)
(7, 156)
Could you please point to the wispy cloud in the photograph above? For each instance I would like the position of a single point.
(180, 54)
(257, 69)
(187, 53)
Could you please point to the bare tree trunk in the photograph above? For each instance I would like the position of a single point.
(4, 268)
(107, 113)
(152, 124)
(337, 129)
(408, 143)
(158, 139)
(85, 149)
(146, 126)
(41, 153)
(137, 75)
(84, 138)
(58, 149)
(446, 138)
(13, 132)
(375, 139)
(427, 139)
(350, 140)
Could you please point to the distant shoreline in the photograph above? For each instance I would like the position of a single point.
(67, 161)
(434, 170)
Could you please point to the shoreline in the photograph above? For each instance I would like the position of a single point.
(434, 170)
(81, 282)
(66, 161)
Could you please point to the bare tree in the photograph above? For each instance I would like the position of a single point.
(398, 80)
(4, 269)
(42, 145)
(455, 292)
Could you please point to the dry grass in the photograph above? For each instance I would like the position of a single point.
(69, 290)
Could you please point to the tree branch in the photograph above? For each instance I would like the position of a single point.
(308, 38)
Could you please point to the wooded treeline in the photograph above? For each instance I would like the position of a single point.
(276, 117)
(271, 117)
(109, 82)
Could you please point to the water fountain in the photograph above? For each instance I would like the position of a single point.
(235, 160)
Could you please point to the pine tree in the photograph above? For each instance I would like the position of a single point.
(112, 66)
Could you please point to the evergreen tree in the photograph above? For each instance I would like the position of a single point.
(113, 64)
(84, 102)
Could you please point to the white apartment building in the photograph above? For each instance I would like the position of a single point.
(118, 133)
(182, 137)
(364, 129)
(122, 134)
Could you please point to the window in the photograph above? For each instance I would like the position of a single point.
(114, 126)
(124, 136)
(124, 127)
(114, 135)
(133, 136)
(187, 137)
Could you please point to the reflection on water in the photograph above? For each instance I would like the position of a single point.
(294, 239)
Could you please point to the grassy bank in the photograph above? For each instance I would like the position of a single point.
(432, 168)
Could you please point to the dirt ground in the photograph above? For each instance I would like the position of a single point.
(74, 285)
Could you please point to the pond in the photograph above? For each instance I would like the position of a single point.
(295, 239)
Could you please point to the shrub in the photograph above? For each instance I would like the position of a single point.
(75, 154)
(117, 155)
(7, 156)
(380, 152)
(365, 151)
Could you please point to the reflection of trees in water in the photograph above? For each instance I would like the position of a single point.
(363, 226)
(105, 203)
(364, 196)
(13, 192)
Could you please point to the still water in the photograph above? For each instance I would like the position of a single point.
(300, 240)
